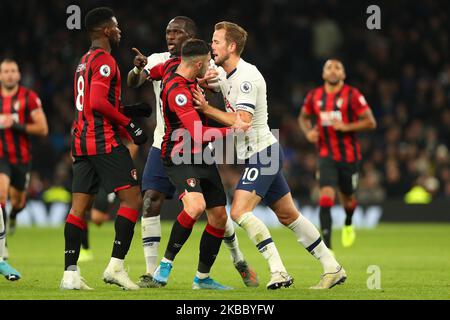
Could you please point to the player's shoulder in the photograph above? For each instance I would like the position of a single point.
(103, 61)
(177, 84)
(32, 95)
(101, 55)
(27, 90)
(248, 72)
(352, 89)
(172, 61)
(312, 92)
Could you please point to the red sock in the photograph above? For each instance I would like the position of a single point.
(186, 220)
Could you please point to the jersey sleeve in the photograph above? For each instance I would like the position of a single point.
(33, 101)
(247, 96)
(154, 61)
(308, 105)
(103, 70)
(182, 103)
(156, 72)
(359, 103)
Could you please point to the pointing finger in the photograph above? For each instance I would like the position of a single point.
(137, 52)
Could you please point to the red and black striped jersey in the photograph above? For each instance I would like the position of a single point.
(97, 81)
(346, 106)
(15, 146)
(180, 116)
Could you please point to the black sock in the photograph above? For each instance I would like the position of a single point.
(14, 213)
(178, 238)
(72, 236)
(209, 248)
(325, 224)
(5, 221)
(5, 217)
(349, 216)
(124, 234)
(85, 239)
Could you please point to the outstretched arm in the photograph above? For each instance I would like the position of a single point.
(225, 118)
(136, 77)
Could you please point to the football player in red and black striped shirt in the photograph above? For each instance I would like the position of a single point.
(99, 155)
(21, 115)
(340, 111)
(198, 182)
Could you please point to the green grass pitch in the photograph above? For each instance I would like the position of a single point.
(414, 260)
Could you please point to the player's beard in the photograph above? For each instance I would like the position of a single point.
(11, 86)
(202, 71)
(114, 42)
(333, 82)
(221, 61)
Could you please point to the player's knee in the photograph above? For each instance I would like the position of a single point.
(218, 219)
(327, 192)
(152, 203)
(97, 221)
(133, 202)
(288, 217)
(98, 217)
(77, 212)
(17, 204)
(195, 209)
(221, 221)
(236, 214)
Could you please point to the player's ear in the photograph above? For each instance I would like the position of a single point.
(232, 46)
(107, 31)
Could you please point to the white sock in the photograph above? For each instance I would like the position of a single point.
(2, 235)
(165, 260)
(309, 237)
(231, 242)
(116, 264)
(151, 237)
(260, 236)
(201, 275)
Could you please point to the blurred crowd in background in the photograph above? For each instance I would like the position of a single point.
(403, 70)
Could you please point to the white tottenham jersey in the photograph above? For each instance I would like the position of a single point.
(245, 89)
(152, 61)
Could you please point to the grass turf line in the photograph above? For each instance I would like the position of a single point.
(413, 258)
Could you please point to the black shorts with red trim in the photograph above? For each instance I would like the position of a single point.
(202, 178)
(113, 171)
(343, 175)
(19, 174)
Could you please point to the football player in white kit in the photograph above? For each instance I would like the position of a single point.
(155, 183)
(244, 91)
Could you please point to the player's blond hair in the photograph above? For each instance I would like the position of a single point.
(233, 33)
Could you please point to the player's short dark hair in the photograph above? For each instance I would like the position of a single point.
(97, 17)
(194, 48)
(189, 25)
